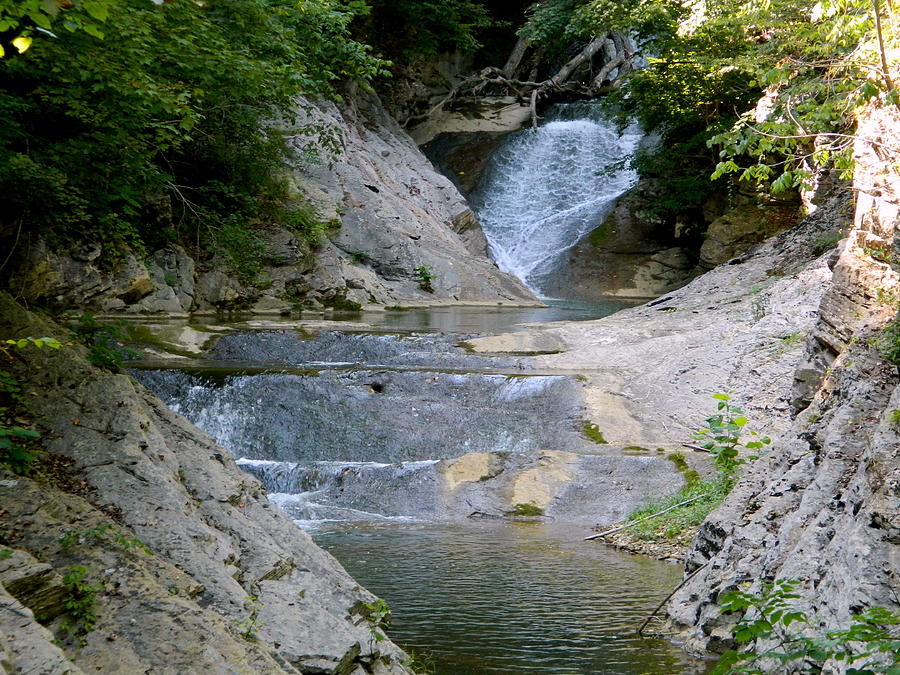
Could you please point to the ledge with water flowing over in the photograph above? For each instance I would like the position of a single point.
(379, 446)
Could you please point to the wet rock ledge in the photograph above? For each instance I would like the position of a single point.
(194, 570)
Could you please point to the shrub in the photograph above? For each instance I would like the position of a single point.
(869, 646)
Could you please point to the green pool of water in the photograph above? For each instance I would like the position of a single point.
(508, 597)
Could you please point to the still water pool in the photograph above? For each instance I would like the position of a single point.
(511, 597)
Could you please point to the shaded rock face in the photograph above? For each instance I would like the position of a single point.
(231, 585)
(824, 508)
(739, 228)
(388, 213)
(634, 253)
(637, 252)
(463, 157)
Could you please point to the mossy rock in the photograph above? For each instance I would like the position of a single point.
(593, 433)
(529, 509)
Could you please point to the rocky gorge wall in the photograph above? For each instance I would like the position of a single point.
(387, 210)
(194, 570)
(824, 507)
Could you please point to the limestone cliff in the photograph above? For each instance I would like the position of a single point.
(194, 570)
(824, 507)
(391, 217)
(791, 328)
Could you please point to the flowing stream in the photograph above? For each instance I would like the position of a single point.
(346, 429)
(546, 188)
(347, 432)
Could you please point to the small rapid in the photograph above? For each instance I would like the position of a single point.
(546, 188)
(392, 449)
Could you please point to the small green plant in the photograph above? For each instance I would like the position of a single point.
(79, 603)
(879, 254)
(102, 532)
(887, 296)
(871, 644)
(825, 242)
(21, 343)
(888, 343)
(243, 250)
(249, 625)
(379, 617)
(722, 438)
(421, 663)
(17, 444)
(13, 453)
(674, 524)
(529, 510)
(426, 276)
(359, 257)
(5, 553)
(894, 417)
(103, 342)
(593, 433)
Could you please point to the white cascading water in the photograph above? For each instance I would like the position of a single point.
(546, 188)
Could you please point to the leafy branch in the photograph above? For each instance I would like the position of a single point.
(781, 634)
(722, 437)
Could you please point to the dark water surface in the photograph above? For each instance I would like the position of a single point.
(510, 597)
(486, 319)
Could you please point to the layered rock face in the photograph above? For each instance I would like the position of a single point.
(824, 507)
(392, 219)
(193, 569)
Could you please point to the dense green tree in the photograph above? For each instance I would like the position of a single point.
(409, 28)
(708, 65)
(183, 101)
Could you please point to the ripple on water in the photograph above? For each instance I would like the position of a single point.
(501, 597)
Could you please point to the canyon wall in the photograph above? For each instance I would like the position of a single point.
(824, 507)
(397, 231)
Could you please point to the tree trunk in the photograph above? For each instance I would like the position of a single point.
(583, 56)
(515, 58)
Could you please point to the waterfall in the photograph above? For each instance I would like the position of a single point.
(546, 188)
(360, 415)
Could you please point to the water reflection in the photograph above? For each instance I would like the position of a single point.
(491, 319)
(505, 597)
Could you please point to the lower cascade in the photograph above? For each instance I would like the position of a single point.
(546, 188)
(398, 453)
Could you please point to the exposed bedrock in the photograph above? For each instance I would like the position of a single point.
(824, 508)
(549, 485)
(390, 218)
(231, 585)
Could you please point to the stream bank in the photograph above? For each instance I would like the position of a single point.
(192, 568)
